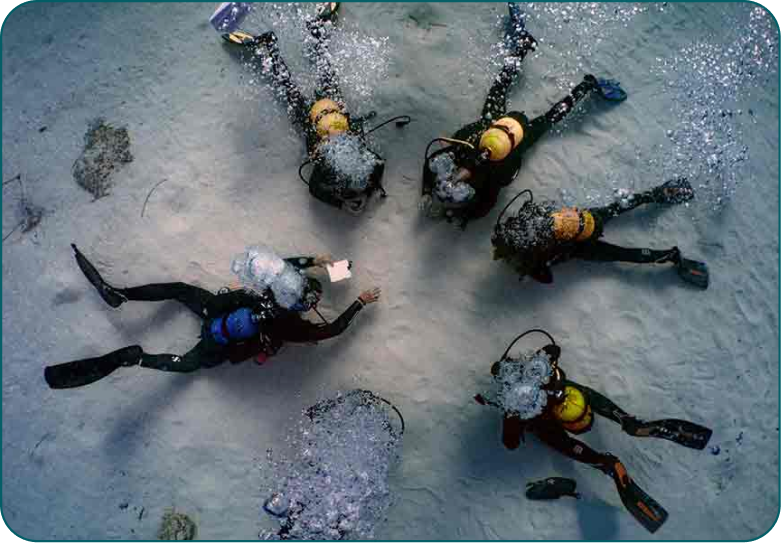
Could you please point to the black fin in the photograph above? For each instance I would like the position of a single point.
(106, 291)
(694, 272)
(88, 370)
(551, 488)
(643, 507)
(675, 191)
(683, 432)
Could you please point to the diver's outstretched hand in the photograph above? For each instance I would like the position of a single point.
(370, 296)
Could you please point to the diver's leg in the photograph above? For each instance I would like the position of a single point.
(519, 43)
(496, 102)
(602, 404)
(606, 252)
(266, 50)
(203, 355)
(675, 191)
(327, 80)
(298, 107)
(283, 81)
(557, 438)
(195, 298)
(683, 432)
(563, 107)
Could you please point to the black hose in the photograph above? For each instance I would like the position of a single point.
(538, 330)
(320, 315)
(396, 409)
(399, 124)
(374, 396)
(300, 168)
(531, 200)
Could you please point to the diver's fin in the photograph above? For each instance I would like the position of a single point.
(610, 90)
(675, 191)
(106, 291)
(683, 432)
(239, 37)
(327, 11)
(245, 39)
(693, 272)
(229, 15)
(88, 370)
(642, 506)
(517, 19)
(552, 488)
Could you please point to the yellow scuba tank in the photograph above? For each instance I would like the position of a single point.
(501, 138)
(574, 413)
(571, 224)
(328, 118)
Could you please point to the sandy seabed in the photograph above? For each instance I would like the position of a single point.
(105, 461)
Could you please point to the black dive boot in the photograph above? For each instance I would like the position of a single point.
(88, 370)
(109, 294)
(683, 432)
(691, 271)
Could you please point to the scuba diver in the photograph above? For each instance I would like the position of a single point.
(237, 324)
(462, 181)
(536, 396)
(337, 488)
(345, 171)
(540, 235)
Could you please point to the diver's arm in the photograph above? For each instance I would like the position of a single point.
(304, 331)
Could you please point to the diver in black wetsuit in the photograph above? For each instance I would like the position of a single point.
(542, 234)
(568, 408)
(346, 173)
(237, 325)
(462, 181)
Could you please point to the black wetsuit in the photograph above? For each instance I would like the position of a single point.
(276, 325)
(488, 178)
(550, 431)
(285, 326)
(321, 181)
(536, 260)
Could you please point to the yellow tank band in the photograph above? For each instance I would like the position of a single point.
(497, 142)
(587, 225)
(582, 424)
(573, 407)
(566, 224)
(331, 124)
